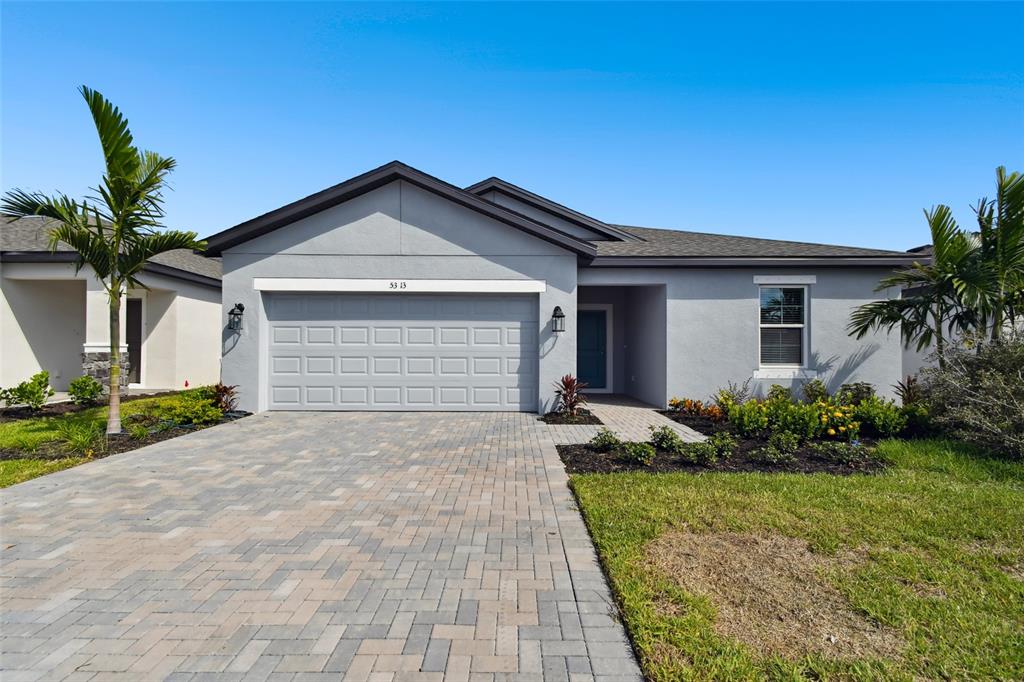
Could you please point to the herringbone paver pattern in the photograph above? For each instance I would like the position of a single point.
(299, 546)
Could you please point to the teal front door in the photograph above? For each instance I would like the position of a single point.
(592, 347)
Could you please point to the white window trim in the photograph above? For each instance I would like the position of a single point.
(790, 370)
(398, 285)
(785, 280)
(609, 345)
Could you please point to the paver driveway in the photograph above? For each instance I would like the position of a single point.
(386, 546)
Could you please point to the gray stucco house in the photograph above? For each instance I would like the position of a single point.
(397, 291)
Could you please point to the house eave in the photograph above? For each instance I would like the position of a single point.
(70, 257)
(752, 262)
(542, 204)
(367, 182)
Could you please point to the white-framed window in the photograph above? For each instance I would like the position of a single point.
(783, 326)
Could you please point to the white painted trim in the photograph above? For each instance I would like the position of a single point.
(804, 336)
(783, 372)
(101, 347)
(401, 286)
(609, 345)
(785, 279)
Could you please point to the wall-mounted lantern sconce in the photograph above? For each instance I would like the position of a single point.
(235, 317)
(558, 320)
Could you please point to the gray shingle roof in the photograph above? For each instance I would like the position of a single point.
(32, 235)
(662, 243)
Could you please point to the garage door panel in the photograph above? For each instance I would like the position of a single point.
(441, 352)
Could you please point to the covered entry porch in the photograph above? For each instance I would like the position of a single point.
(621, 340)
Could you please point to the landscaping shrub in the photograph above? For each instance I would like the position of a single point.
(815, 391)
(666, 438)
(80, 437)
(749, 418)
(638, 453)
(704, 452)
(880, 417)
(725, 444)
(838, 421)
(138, 431)
(733, 394)
(979, 396)
(569, 391)
(32, 393)
(910, 391)
(606, 440)
(85, 390)
(696, 408)
(191, 409)
(223, 397)
(793, 417)
(855, 393)
(783, 441)
(777, 392)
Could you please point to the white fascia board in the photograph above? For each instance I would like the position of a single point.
(400, 286)
(785, 279)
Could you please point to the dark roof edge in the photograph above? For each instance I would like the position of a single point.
(371, 180)
(544, 204)
(69, 257)
(751, 262)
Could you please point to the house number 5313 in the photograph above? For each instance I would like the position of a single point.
(396, 285)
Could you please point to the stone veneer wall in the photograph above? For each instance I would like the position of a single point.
(97, 365)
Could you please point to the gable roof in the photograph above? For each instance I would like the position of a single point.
(389, 172)
(27, 240)
(494, 184)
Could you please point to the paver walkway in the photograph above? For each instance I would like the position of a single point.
(303, 546)
(630, 418)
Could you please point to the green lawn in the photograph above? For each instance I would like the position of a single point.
(19, 470)
(939, 541)
(29, 435)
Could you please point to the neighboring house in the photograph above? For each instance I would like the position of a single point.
(56, 320)
(397, 291)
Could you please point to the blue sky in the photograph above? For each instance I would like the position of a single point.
(818, 122)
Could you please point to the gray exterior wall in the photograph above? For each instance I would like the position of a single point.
(403, 232)
(711, 327)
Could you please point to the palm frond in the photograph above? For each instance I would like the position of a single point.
(135, 254)
(119, 152)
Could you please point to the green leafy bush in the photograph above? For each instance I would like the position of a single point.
(703, 452)
(815, 391)
(785, 442)
(606, 440)
(85, 390)
(32, 393)
(80, 437)
(724, 443)
(781, 393)
(666, 438)
(749, 418)
(854, 393)
(880, 417)
(979, 396)
(138, 431)
(638, 453)
(189, 409)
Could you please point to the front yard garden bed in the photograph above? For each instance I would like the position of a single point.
(582, 416)
(13, 414)
(747, 456)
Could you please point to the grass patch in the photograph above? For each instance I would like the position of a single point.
(938, 546)
(19, 470)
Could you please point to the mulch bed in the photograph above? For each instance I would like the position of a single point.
(582, 459)
(12, 414)
(122, 442)
(582, 417)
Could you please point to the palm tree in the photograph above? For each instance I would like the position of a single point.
(933, 294)
(116, 230)
(1001, 231)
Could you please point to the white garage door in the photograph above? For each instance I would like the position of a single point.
(402, 352)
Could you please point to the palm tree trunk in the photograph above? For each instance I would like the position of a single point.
(940, 340)
(114, 413)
